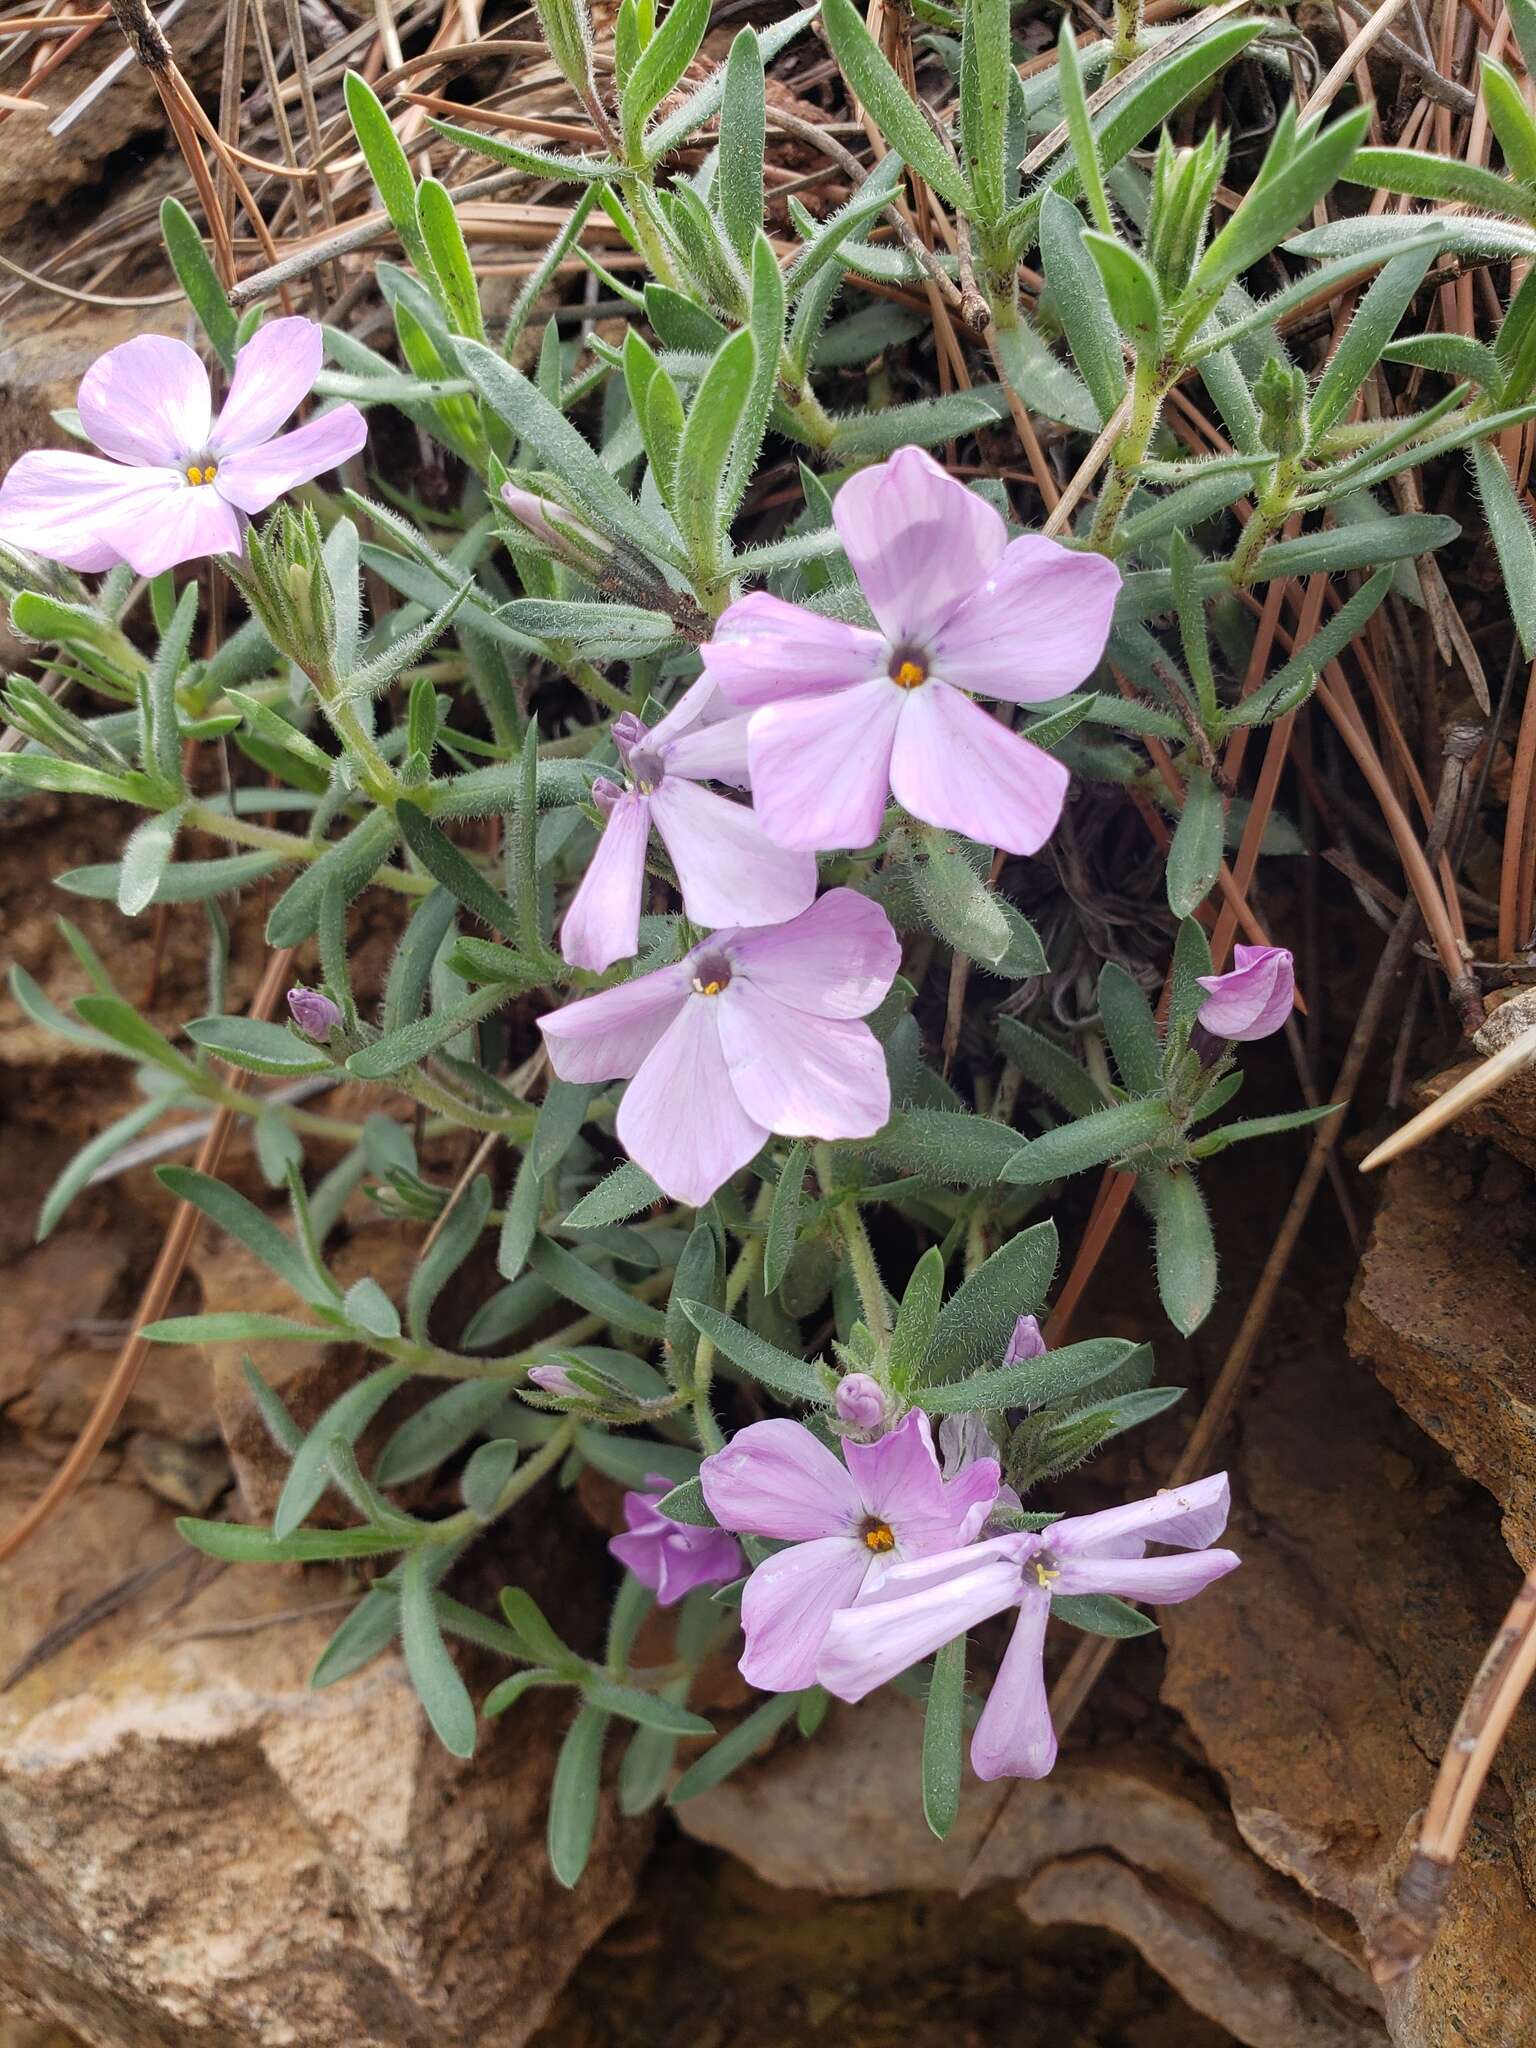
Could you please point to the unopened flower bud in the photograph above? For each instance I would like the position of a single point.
(861, 1401)
(315, 1014)
(1251, 1001)
(538, 517)
(554, 1379)
(1026, 1342)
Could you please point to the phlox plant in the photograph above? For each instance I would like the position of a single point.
(686, 833)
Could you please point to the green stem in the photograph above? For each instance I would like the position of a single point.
(861, 1254)
(1148, 388)
(207, 817)
(737, 1280)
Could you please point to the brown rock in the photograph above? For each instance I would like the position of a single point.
(195, 1848)
(1445, 1309)
(1323, 1679)
(843, 1813)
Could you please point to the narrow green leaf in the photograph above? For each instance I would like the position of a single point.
(1194, 858)
(943, 1738)
(1082, 303)
(784, 1218)
(882, 93)
(234, 1543)
(917, 1320)
(1186, 1248)
(978, 1320)
(432, 1671)
(198, 279)
(347, 1417)
(573, 1796)
(1131, 1029)
(1091, 1141)
(593, 1291)
(231, 1211)
(736, 1747)
(388, 166)
(455, 1240)
(257, 1046)
(743, 141)
(1509, 528)
(791, 1378)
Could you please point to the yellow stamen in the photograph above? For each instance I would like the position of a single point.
(909, 675)
(708, 988)
(879, 1537)
(1045, 1573)
(203, 475)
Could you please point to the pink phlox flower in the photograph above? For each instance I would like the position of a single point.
(755, 1031)
(728, 869)
(1254, 998)
(916, 1608)
(172, 483)
(673, 1558)
(842, 716)
(848, 1522)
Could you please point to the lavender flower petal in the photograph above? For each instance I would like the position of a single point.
(602, 923)
(1160, 1581)
(821, 766)
(1014, 1737)
(1035, 628)
(254, 477)
(681, 1118)
(955, 765)
(764, 649)
(776, 1479)
(788, 1604)
(837, 960)
(274, 371)
(917, 539)
(729, 870)
(860, 1401)
(147, 402)
(607, 1037)
(869, 1643)
(1254, 999)
(802, 1076)
(58, 503)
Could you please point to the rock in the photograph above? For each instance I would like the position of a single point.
(195, 1848)
(1444, 1308)
(190, 1476)
(843, 1813)
(1323, 1679)
(1507, 1117)
(1217, 1970)
(46, 169)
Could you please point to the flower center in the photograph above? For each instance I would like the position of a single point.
(908, 668)
(1045, 1569)
(877, 1536)
(647, 769)
(713, 976)
(203, 473)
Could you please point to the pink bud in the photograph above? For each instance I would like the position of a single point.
(861, 1401)
(1026, 1341)
(606, 793)
(537, 515)
(1254, 999)
(554, 1379)
(316, 1015)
